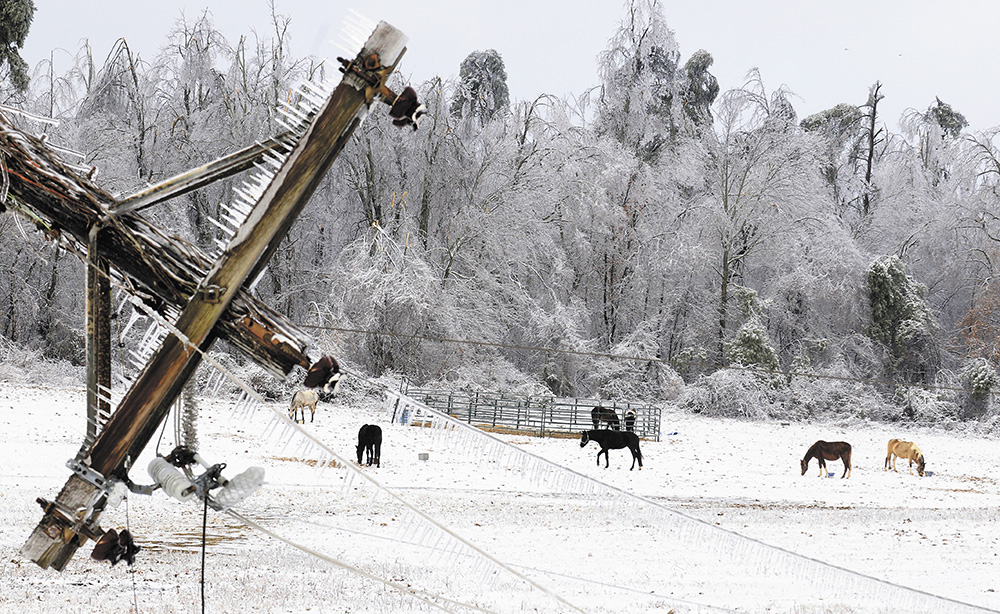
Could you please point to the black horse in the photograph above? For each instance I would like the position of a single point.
(828, 450)
(613, 440)
(370, 440)
(605, 414)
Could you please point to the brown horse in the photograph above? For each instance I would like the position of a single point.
(607, 415)
(905, 449)
(828, 450)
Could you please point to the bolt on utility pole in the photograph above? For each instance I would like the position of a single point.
(73, 517)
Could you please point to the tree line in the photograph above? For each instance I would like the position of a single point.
(651, 232)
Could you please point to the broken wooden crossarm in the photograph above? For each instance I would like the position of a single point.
(165, 269)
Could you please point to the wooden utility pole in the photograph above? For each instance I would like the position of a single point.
(72, 518)
(98, 342)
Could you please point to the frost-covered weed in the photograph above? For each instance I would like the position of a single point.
(24, 365)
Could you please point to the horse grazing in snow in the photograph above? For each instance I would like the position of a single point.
(300, 401)
(613, 440)
(370, 441)
(828, 450)
(605, 414)
(907, 450)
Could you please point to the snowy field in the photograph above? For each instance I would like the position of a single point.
(530, 536)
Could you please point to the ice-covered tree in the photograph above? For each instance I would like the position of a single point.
(702, 88)
(116, 123)
(901, 321)
(482, 90)
(935, 131)
(758, 183)
(872, 148)
(15, 21)
(840, 131)
(642, 90)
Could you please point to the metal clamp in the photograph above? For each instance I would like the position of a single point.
(89, 475)
(210, 293)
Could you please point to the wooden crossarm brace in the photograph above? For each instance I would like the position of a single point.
(199, 177)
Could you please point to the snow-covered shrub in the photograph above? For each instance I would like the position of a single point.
(731, 393)
(926, 406)
(691, 362)
(832, 394)
(752, 348)
(979, 378)
(490, 374)
(262, 382)
(644, 378)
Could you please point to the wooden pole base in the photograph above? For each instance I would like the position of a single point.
(67, 524)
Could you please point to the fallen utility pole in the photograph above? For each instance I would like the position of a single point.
(73, 517)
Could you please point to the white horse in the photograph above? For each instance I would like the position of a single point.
(300, 401)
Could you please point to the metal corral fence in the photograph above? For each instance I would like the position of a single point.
(541, 415)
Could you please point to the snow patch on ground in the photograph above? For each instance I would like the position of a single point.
(936, 534)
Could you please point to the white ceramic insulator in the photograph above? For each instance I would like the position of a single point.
(239, 488)
(118, 493)
(170, 479)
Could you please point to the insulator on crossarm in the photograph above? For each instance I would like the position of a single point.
(170, 479)
(239, 488)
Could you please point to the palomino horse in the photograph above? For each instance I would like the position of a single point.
(828, 450)
(905, 449)
(613, 440)
(605, 414)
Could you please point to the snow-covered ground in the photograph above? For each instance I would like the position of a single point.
(722, 521)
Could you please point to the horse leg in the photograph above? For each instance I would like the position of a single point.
(822, 466)
(378, 455)
(605, 451)
(847, 465)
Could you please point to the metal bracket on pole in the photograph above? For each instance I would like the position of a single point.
(210, 293)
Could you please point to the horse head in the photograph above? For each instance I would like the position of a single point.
(921, 464)
(805, 465)
(585, 439)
